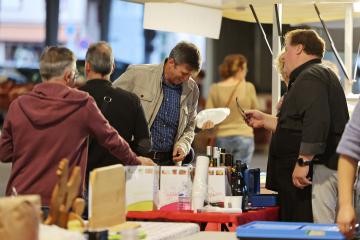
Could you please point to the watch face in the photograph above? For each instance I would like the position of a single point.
(302, 163)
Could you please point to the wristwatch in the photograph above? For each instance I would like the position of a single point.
(303, 162)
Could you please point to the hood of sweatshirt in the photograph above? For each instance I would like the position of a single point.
(49, 103)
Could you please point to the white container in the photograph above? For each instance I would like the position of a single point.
(174, 181)
(233, 202)
(199, 191)
(142, 188)
(217, 184)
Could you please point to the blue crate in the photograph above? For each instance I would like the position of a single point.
(263, 200)
(288, 230)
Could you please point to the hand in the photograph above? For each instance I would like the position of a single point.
(346, 220)
(299, 176)
(178, 154)
(255, 118)
(146, 161)
(208, 125)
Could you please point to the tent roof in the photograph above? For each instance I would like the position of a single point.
(294, 11)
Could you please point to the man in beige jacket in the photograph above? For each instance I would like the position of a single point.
(169, 98)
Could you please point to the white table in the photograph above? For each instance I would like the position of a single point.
(168, 230)
(211, 236)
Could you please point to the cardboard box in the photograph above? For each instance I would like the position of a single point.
(142, 188)
(173, 181)
(218, 184)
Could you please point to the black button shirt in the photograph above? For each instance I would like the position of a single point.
(315, 107)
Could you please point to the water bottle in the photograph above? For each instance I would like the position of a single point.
(184, 198)
(184, 202)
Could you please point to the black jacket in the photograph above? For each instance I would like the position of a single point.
(125, 114)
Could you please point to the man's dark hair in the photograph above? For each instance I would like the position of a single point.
(54, 60)
(312, 42)
(100, 57)
(186, 53)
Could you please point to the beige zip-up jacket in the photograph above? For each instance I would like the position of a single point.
(146, 82)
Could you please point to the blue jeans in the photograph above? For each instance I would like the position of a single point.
(242, 148)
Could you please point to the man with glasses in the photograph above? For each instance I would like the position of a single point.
(52, 122)
(306, 132)
(169, 98)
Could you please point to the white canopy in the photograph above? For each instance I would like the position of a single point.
(294, 11)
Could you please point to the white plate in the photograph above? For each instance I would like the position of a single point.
(216, 115)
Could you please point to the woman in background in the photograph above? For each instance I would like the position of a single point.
(233, 133)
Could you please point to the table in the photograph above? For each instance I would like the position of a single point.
(211, 236)
(207, 220)
(168, 231)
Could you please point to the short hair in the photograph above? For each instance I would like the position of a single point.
(186, 53)
(310, 39)
(231, 65)
(54, 60)
(100, 57)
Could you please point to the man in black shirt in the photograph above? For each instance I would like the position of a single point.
(307, 130)
(121, 108)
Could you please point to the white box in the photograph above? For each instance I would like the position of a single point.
(173, 180)
(217, 184)
(142, 188)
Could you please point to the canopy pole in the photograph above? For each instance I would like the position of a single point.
(276, 46)
(261, 28)
(348, 48)
(332, 45)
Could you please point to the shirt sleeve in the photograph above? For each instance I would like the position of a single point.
(350, 141)
(6, 141)
(313, 104)
(125, 81)
(107, 136)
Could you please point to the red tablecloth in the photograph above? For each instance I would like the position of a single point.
(232, 219)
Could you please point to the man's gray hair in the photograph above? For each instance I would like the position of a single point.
(186, 53)
(54, 61)
(100, 57)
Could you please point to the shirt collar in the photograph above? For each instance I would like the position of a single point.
(99, 81)
(166, 83)
(296, 72)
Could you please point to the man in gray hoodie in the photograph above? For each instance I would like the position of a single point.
(52, 122)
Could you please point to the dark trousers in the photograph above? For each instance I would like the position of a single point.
(295, 203)
(161, 158)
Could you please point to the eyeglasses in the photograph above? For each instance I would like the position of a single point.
(241, 110)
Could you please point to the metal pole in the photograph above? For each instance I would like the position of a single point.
(52, 22)
(104, 19)
(348, 48)
(276, 46)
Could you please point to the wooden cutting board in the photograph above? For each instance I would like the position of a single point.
(107, 197)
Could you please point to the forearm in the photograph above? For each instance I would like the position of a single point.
(346, 177)
(270, 122)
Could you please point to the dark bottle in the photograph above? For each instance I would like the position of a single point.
(238, 184)
(222, 157)
(245, 199)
